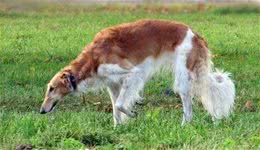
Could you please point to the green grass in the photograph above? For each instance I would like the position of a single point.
(34, 46)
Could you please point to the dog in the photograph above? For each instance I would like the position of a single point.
(124, 57)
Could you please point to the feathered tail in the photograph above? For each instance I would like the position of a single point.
(216, 89)
(218, 97)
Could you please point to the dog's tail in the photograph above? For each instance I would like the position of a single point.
(216, 89)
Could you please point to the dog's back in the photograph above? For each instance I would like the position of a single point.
(141, 39)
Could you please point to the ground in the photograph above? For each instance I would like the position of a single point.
(36, 44)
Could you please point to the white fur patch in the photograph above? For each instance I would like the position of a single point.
(152, 65)
(90, 84)
(111, 69)
(181, 72)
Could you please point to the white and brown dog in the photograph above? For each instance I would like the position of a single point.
(124, 57)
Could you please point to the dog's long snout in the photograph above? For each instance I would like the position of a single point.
(42, 111)
(44, 106)
(48, 107)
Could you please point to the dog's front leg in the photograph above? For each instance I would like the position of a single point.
(113, 91)
(132, 82)
(114, 75)
(118, 116)
(129, 93)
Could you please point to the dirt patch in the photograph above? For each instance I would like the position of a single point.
(92, 140)
(24, 147)
(249, 106)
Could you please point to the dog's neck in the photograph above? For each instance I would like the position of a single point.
(84, 66)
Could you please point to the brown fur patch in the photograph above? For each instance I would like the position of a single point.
(198, 53)
(128, 45)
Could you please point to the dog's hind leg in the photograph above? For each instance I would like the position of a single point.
(182, 86)
(183, 77)
(187, 107)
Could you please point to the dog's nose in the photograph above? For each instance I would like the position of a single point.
(42, 111)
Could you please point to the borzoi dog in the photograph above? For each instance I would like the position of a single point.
(124, 57)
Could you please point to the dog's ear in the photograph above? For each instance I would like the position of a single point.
(69, 79)
(72, 81)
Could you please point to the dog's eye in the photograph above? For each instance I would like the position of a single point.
(51, 89)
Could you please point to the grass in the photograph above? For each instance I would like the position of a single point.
(36, 44)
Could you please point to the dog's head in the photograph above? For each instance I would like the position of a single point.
(60, 85)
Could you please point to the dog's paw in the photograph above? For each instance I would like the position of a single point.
(140, 103)
(133, 114)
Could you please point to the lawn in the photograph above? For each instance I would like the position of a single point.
(34, 45)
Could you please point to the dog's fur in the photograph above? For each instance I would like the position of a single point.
(124, 57)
